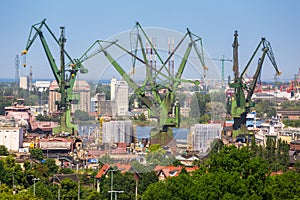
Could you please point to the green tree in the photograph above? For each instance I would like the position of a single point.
(3, 151)
(142, 117)
(146, 179)
(37, 154)
(105, 159)
(69, 189)
(51, 165)
(80, 115)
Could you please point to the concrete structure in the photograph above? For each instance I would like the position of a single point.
(41, 86)
(202, 135)
(82, 89)
(117, 131)
(81, 96)
(11, 138)
(24, 82)
(107, 108)
(185, 111)
(104, 107)
(122, 98)
(113, 83)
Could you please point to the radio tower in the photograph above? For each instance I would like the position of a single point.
(16, 86)
(171, 61)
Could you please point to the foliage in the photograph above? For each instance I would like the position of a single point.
(154, 147)
(66, 171)
(265, 108)
(290, 105)
(159, 157)
(216, 109)
(69, 189)
(121, 182)
(198, 104)
(51, 165)
(80, 115)
(291, 123)
(3, 151)
(46, 117)
(103, 89)
(142, 117)
(105, 159)
(230, 173)
(3, 103)
(37, 154)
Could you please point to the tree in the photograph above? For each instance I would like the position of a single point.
(3, 151)
(142, 117)
(69, 189)
(80, 115)
(146, 179)
(105, 159)
(159, 157)
(52, 167)
(37, 154)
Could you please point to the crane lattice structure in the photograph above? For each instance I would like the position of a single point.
(157, 92)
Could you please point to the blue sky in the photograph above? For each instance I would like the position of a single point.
(215, 21)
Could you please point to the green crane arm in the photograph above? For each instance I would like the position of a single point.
(256, 75)
(31, 39)
(136, 88)
(267, 50)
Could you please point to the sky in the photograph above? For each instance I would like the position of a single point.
(215, 21)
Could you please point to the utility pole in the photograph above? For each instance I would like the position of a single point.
(34, 179)
(111, 183)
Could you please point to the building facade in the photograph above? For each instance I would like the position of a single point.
(202, 136)
(11, 138)
(24, 82)
(117, 131)
(81, 96)
(122, 98)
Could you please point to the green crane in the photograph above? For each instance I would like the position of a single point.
(164, 107)
(223, 59)
(240, 103)
(65, 75)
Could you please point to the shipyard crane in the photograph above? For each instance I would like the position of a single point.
(240, 103)
(65, 76)
(164, 107)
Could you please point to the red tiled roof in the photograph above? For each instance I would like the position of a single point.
(170, 171)
(102, 171)
(122, 167)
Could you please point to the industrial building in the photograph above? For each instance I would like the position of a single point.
(202, 135)
(11, 138)
(81, 94)
(117, 131)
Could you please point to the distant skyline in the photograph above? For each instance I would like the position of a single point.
(215, 21)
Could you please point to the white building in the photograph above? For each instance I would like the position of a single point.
(122, 98)
(24, 82)
(202, 135)
(113, 84)
(117, 131)
(11, 138)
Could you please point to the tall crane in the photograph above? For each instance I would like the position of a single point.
(164, 107)
(223, 60)
(65, 76)
(240, 103)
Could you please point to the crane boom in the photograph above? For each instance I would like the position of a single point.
(241, 103)
(64, 80)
